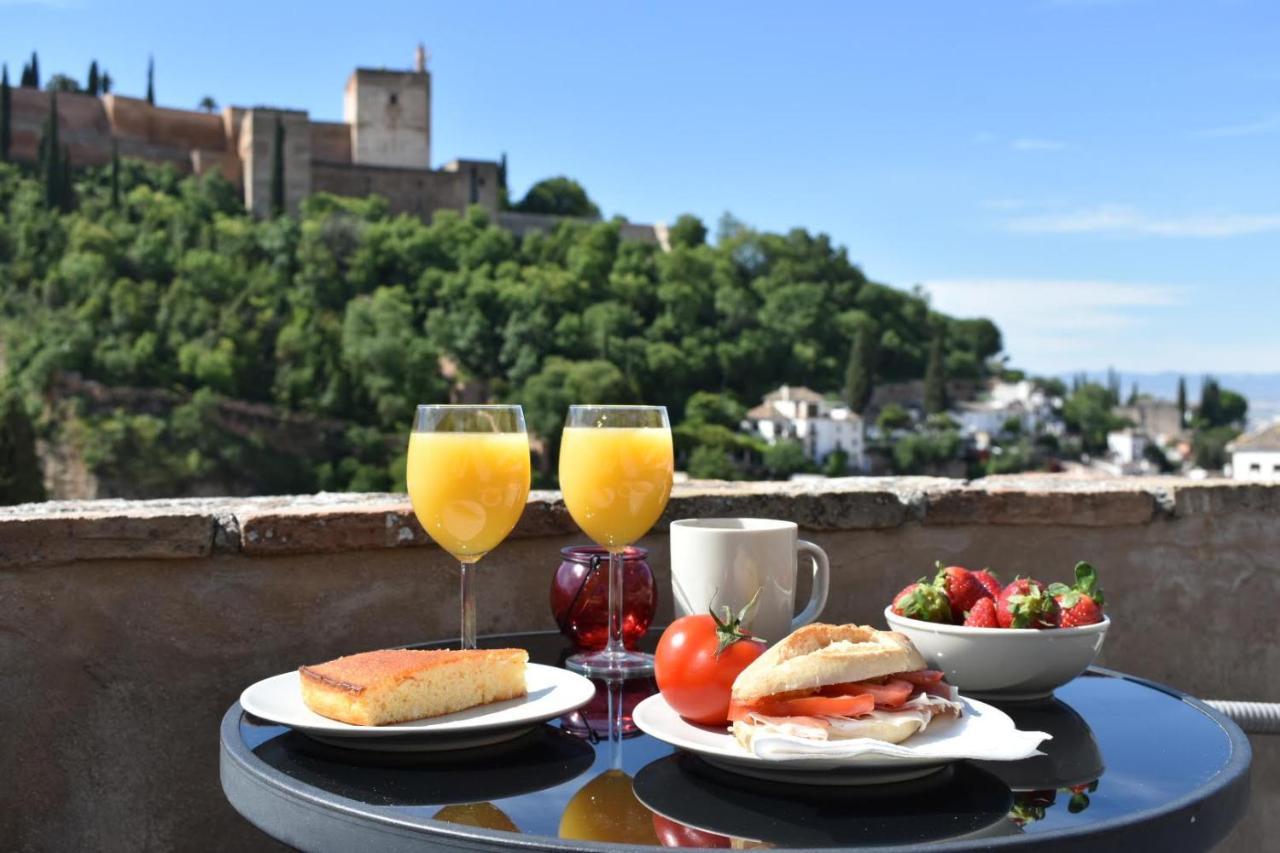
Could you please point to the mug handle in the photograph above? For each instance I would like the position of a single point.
(821, 583)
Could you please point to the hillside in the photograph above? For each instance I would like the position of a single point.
(347, 314)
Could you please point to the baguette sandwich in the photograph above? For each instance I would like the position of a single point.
(837, 682)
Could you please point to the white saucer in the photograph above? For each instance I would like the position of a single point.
(719, 748)
(552, 693)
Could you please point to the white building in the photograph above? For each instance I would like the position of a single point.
(1021, 402)
(1256, 456)
(821, 426)
(1128, 446)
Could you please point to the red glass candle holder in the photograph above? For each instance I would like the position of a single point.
(580, 596)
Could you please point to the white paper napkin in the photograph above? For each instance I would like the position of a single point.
(974, 735)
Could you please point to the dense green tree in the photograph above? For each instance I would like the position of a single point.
(31, 74)
(711, 462)
(208, 104)
(935, 379)
(104, 83)
(926, 452)
(151, 80)
(21, 479)
(1233, 406)
(54, 160)
(784, 458)
(893, 417)
(62, 83)
(1182, 401)
(1209, 447)
(277, 170)
(1087, 413)
(708, 407)
(341, 317)
(836, 464)
(559, 196)
(6, 115)
(93, 84)
(688, 231)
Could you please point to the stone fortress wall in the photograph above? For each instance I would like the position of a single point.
(382, 146)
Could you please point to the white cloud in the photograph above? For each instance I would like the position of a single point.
(1123, 219)
(1031, 143)
(1269, 124)
(1060, 324)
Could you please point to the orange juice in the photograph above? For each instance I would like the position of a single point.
(616, 481)
(468, 488)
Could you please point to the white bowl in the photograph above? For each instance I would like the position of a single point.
(1004, 663)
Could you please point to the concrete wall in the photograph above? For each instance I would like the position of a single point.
(127, 628)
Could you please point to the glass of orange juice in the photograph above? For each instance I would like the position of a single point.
(616, 464)
(468, 478)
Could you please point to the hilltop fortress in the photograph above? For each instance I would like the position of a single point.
(382, 146)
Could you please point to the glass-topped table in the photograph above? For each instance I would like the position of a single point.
(1132, 765)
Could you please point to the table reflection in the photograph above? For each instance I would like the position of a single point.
(1067, 772)
(606, 808)
(484, 815)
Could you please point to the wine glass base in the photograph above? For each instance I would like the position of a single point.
(607, 664)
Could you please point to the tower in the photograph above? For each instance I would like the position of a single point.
(389, 113)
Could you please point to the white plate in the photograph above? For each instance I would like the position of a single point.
(716, 746)
(552, 692)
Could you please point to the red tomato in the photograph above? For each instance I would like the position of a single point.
(673, 834)
(694, 678)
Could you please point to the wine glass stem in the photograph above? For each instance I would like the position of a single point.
(616, 596)
(468, 620)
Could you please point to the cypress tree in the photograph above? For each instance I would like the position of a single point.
(65, 197)
(25, 80)
(35, 71)
(859, 377)
(277, 170)
(21, 479)
(105, 83)
(6, 118)
(51, 154)
(91, 86)
(151, 80)
(935, 379)
(1182, 402)
(1133, 395)
(1210, 403)
(115, 175)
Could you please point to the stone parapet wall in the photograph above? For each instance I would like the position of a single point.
(61, 531)
(127, 628)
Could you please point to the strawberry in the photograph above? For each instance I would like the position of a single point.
(923, 600)
(961, 587)
(988, 581)
(983, 614)
(1080, 604)
(1025, 604)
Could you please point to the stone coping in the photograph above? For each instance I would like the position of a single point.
(66, 531)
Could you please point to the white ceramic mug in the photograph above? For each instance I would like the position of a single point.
(723, 561)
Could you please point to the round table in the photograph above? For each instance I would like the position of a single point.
(1132, 765)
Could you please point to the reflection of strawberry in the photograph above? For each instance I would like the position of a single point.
(988, 581)
(1080, 604)
(923, 600)
(1079, 798)
(1024, 604)
(962, 589)
(982, 615)
(1029, 806)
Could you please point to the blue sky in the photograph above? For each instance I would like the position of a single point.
(1098, 176)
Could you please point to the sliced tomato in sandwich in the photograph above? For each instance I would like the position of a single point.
(806, 706)
(921, 677)
(891, 694)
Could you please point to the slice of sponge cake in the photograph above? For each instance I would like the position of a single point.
(397, 685)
